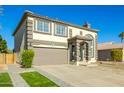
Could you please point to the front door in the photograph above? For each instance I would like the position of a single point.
(72, 53)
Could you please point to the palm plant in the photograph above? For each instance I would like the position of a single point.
(121, 35)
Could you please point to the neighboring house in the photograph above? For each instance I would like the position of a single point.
(104, 50)
(54, 41)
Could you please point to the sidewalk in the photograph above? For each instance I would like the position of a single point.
(16, 78)
(3, 67)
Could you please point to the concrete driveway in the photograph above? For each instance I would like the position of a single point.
(81, 76)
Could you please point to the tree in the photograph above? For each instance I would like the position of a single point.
(27, 58)
(116, 54)
(9, 51)
(121, 35)
(3, 45)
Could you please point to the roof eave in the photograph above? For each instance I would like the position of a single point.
(21, 21)
(53, 20)
(43, 17)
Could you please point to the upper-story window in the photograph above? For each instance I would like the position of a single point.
(60, 30)
(43, 26)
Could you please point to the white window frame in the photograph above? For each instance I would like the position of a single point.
(43, 31)
(63, 34)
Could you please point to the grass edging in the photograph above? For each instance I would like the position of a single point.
(35, 79)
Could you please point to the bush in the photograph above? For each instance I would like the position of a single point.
(27, 58)
(116, 55)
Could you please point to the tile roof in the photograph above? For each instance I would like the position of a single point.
(110, 45)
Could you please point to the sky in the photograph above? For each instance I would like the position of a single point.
(109, 20)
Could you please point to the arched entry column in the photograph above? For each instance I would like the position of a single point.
(78, 50)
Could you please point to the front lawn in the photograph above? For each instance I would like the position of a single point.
(35, 79)
(5, 80)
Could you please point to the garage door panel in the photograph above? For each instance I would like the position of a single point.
(49, 56)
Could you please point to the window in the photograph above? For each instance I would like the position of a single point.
(60, 30)
(70, 32)
(43, 26)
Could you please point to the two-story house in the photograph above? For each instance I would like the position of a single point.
(54, 41)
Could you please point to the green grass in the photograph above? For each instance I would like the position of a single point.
(35, 79)
(5, 80)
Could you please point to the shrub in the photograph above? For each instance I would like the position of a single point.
(116, 55)
(27, 58)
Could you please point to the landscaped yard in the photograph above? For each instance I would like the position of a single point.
(35, 79)
(5, 80)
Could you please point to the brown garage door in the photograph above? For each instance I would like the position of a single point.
(50, 56)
